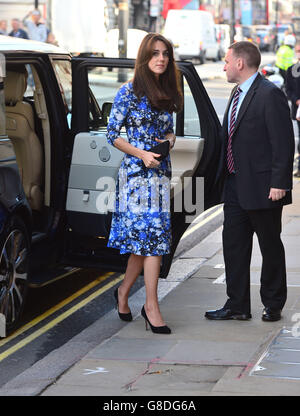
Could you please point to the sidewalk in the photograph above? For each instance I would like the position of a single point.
(200, 357)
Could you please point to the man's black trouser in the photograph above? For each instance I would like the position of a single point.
(239, 227)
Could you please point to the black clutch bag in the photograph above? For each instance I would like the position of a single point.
(162, 149)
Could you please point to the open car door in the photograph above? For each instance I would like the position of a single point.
(95, 163)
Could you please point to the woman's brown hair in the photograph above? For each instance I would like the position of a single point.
(164, 93)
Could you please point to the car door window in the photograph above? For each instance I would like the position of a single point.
(63, 71)
(104, 84)
(191, 116)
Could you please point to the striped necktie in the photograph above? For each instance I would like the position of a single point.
(230, 163)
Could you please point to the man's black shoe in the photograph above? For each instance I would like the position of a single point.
(271, 315)
(225, 314)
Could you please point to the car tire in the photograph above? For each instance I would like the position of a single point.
(14, 254)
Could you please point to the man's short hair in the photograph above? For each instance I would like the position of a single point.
(249, 51)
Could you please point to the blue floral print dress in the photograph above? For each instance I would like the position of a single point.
(141, 220)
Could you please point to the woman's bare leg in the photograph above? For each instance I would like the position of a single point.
(151, 273)
(133, 270)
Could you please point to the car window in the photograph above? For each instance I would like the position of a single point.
(191, 117)
(104, 84)
(282, 28)
(63, 71)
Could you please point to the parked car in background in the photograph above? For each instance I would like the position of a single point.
(244, 33)
(263, 37)
(58, 172)
(223, 37)
(134, 39)
(193, 34)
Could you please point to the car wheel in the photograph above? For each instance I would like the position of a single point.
(14, 253)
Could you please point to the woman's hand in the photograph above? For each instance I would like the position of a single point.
(171, 137)
(149, 159)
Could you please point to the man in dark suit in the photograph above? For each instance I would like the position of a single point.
(292, 85)
(256, 167)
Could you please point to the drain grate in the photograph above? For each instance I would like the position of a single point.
(282, 358)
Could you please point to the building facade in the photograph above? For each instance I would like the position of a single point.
(150, 14)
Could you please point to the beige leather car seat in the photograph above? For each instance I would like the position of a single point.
(20, 129)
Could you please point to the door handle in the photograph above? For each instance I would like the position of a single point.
(86, 196)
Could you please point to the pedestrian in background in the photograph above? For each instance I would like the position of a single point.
(293, 92)
(256, 166)
(3, 27)
(36, 29)
(144, 106)
(154, 10)
(17, 31)
(51, 38)
(285, 55)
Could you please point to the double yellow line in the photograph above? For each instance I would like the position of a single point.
(61, 317)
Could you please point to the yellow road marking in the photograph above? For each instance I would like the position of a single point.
(60, 318)
(55, 308)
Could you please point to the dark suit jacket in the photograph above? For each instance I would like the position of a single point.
(263, 146)
(292, 85)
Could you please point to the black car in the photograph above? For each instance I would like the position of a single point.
(57, 170)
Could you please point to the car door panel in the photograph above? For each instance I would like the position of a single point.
(185, 157)
(91, 187)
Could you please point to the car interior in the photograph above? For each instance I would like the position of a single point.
(27, 126)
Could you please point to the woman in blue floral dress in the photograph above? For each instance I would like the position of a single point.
(141, 222)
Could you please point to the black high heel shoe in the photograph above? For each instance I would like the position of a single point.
(155, 329)
(124, 316)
